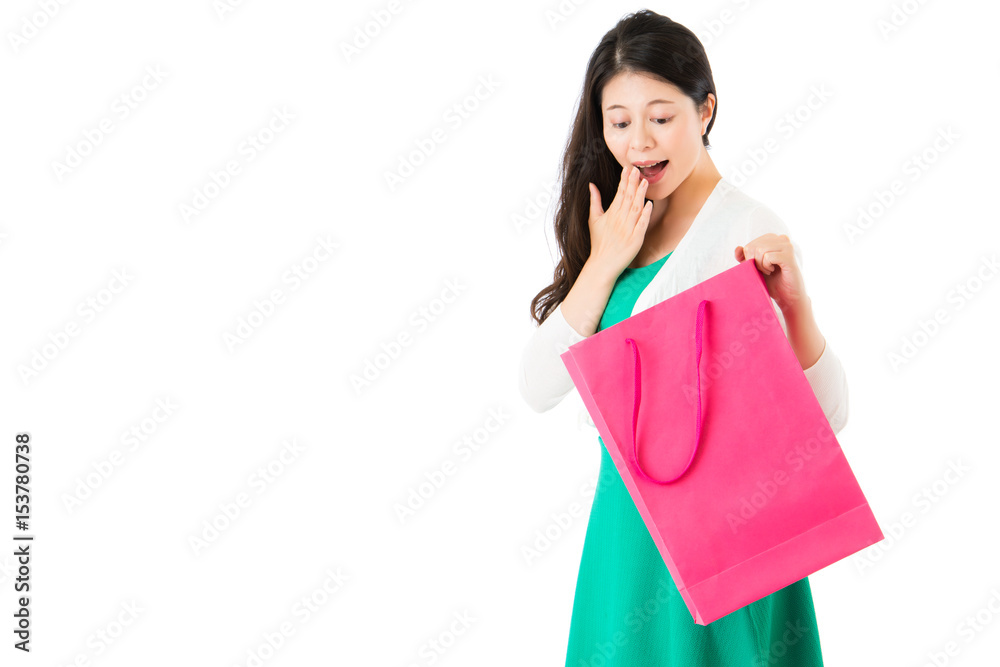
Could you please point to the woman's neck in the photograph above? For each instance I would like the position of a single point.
(672, 216)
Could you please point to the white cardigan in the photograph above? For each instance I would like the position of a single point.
(728, 218)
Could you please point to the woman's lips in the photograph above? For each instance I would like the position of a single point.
(653, 173)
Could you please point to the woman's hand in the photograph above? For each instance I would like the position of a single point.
(775, 258)
(616, 235)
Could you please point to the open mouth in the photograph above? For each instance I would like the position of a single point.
(653, 170)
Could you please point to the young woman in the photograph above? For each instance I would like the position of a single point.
(640, 141)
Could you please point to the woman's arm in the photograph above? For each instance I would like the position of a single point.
(542, 377)
(803, 333)
(819, 363)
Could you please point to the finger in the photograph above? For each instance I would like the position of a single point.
(757, 253)
(596, 210)
(627, 205)
(769, 259)
(623, 201)
(622, 184)
(647, 210)
(642, 224)
(633, 184)
(638, 202)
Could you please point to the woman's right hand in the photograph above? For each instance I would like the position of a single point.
(616, 235)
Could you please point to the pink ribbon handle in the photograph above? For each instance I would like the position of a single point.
(636, 394)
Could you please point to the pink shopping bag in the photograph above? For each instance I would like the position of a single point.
(722, 444)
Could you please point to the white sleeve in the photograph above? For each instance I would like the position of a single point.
(826, 377)
(542, 378)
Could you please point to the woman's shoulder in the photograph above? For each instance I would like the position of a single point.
(756, 217)
(753, 219)
(736, 201)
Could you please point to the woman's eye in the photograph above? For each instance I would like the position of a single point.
(658, 121)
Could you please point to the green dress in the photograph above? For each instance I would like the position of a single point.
(627, 611)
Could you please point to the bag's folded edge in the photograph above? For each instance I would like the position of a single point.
(785, 563)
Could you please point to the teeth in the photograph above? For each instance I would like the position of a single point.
(649, 166)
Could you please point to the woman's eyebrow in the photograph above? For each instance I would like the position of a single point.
(621, 106)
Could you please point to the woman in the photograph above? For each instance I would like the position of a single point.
(640, 140)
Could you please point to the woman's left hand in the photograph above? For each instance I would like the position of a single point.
(775, 258)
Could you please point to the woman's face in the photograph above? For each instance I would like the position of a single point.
(649, 120)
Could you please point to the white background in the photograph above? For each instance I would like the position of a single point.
(463, 217)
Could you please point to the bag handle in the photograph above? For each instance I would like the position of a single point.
(636, 393)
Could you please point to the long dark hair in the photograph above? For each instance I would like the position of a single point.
(643, 42)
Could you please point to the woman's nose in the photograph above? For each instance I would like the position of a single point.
(640, 137)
